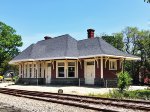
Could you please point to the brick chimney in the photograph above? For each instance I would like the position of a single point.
(90, 33)
(47, 37)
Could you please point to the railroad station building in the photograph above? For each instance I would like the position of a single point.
(65, 60)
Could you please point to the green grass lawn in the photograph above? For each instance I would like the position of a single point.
(136, 94)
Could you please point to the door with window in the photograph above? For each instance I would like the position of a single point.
(90, 72)
(48, 75)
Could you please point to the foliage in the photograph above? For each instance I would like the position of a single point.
(9, 43)
(1, 78)
(115, 40)
(136, 94)
(148, 1)
(124, 80)
(16, 78)
(136, 42)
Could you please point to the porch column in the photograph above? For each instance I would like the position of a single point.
(101, 67)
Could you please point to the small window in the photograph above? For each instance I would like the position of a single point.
(21, 69)
(30, 70)
(90, 63)
(34, 70)
(71, 63)
(61, 72)
(112, 65)
(40, 70)
(26, 70)
(49, 65)
(61, 64)
(61, 69)
(71, 69)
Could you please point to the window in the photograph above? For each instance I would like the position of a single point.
(112, 65)
(40, 71)
(21, 69)
(90, 63)
(30, 70)
(26, 70)
(34, 70)
(49, 65)
(71, 69)
(61, 69)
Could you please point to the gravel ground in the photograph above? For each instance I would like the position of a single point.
(8, 108)
(29, 105)
(17, 104)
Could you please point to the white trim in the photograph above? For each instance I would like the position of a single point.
(99, 55)
(89, 56)
(102, 73)
(66, 68)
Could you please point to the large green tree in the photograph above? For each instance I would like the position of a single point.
(135, 42)
(9, 43)
(115, 40)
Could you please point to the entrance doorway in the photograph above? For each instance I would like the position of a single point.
(89, 72)
(48, 73)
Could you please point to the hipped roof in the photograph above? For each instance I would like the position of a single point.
(66, 47)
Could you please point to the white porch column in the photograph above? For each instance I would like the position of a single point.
(101, 67)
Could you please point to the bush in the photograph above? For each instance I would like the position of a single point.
(15, 78)
(1, 78)
(124, 81)
(136, 94)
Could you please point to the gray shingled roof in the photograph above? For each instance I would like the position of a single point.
(65, 46)
(98, 46)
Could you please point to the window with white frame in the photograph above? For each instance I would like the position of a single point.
(112, 64)
(61, 69)
(30, 70)
(21, 69)
(40, 71)
(34, 70)
(26, 70)
(71, 69)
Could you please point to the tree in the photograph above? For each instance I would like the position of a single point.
(115, 40)
(136, 42)
(9, 43)
(148, 1)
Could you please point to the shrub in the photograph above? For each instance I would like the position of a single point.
(124, 81)
(1, 78)
(15, 78)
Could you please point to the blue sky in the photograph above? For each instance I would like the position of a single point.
(33, 19)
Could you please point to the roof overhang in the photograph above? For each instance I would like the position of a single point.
(80, 57)
(113, 56)
(40, 59)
